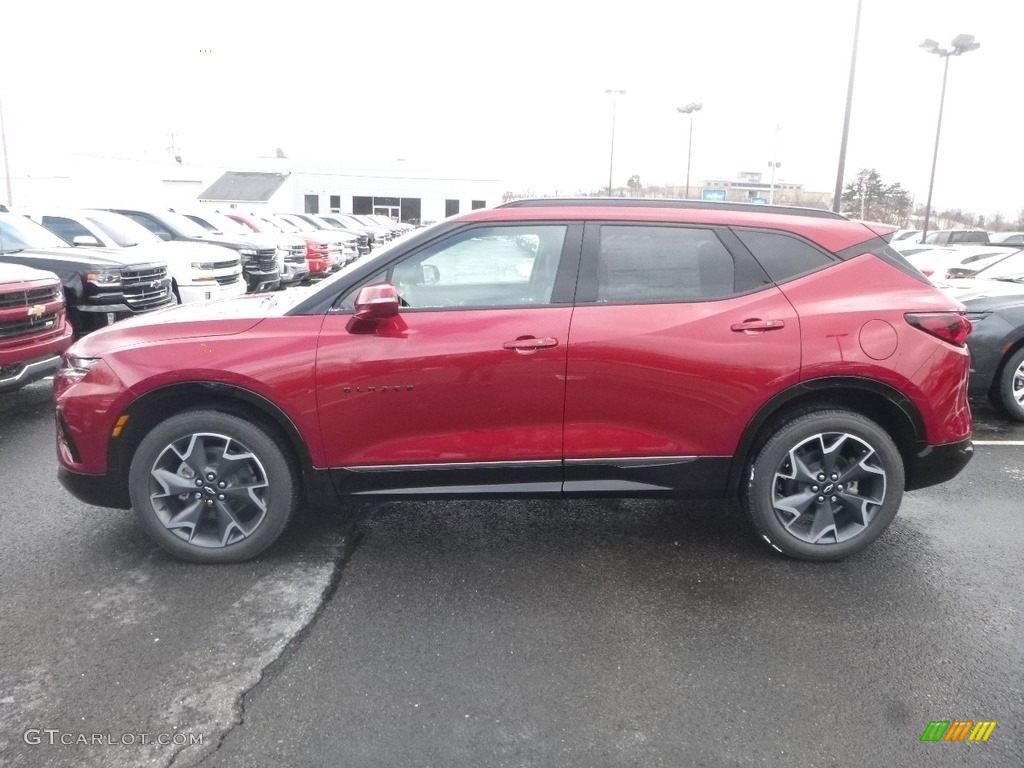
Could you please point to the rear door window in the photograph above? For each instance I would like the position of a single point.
(784, 256)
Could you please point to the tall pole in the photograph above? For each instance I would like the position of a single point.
(838, 196)
(689, 152)
(775, 164)
(611, 158)
(961, 44)
(935, 153)
(689, 109)
(7, 166)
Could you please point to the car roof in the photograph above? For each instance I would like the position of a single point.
(829, 230)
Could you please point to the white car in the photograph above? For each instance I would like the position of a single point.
(906, 235)
(291, 249)
(1015, 238)
(198, 271)
(1005, 277)
(935, 263)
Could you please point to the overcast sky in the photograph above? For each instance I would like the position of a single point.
(515, 90)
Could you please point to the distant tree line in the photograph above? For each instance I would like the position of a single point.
(866, 197)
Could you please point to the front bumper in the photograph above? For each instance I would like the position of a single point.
(262, 281)
(98, 490)
(936, 464)
(15, 377)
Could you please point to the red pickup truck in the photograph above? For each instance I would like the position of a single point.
(33, 325)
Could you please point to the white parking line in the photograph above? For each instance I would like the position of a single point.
(998, 442)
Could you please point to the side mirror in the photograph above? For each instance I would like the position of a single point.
(431, 274)
(374, 303)
(166, 236)
(86, 240)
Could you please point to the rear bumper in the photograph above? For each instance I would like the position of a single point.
(938, 463)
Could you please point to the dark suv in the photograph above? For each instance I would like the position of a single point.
(785, 357)
(100, 286)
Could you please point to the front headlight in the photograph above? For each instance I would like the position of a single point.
(976, 317)
(107, 278)
(75, 367)
(247, 251)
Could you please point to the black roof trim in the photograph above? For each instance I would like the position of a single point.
(642, 202)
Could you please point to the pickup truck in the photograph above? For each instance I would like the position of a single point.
(198, 271)
(259, 261)
(33, 325)
(100, 286)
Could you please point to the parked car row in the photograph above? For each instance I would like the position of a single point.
(904, 238)
(989, 280)
(109, 265)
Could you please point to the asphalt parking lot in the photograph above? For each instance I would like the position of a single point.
(613, 633)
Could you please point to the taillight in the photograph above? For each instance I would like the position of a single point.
(951, 327)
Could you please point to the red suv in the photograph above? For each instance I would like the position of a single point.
(785, 357)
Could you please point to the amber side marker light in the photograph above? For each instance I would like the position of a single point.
(119, 426)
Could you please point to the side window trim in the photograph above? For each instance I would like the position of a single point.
(562, 294)
(829, 259)
(749, 276)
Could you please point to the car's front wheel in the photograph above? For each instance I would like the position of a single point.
(211, 487)
(824, 485)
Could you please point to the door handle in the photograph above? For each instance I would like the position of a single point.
(757, 325)
(529, 344)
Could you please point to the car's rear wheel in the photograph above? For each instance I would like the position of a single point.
(211, 487)
(1011, 387)
(824, 485)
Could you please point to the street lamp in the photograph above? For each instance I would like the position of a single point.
(773, 164)
(611, 160)
(689, 109)
(7, 165)
(960, 44)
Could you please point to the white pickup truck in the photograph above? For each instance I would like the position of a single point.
(198, 271)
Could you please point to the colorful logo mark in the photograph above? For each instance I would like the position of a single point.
(958, 730)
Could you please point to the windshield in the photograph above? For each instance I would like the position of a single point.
(184, 225)
(18, 233)
(299, 224)
(224, 224)
(121, 229)
(274, 225)
(1010, 268)
(323, 222)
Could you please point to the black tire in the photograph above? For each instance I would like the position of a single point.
(830, 518)
(229, 518)
(1010, 387)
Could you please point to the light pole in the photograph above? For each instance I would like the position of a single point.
(773, 165)
(7, 165)
(837, 198)
(689, 109)
(611, 160)
(960, 44)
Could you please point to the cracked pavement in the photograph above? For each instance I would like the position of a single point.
(612, 633)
